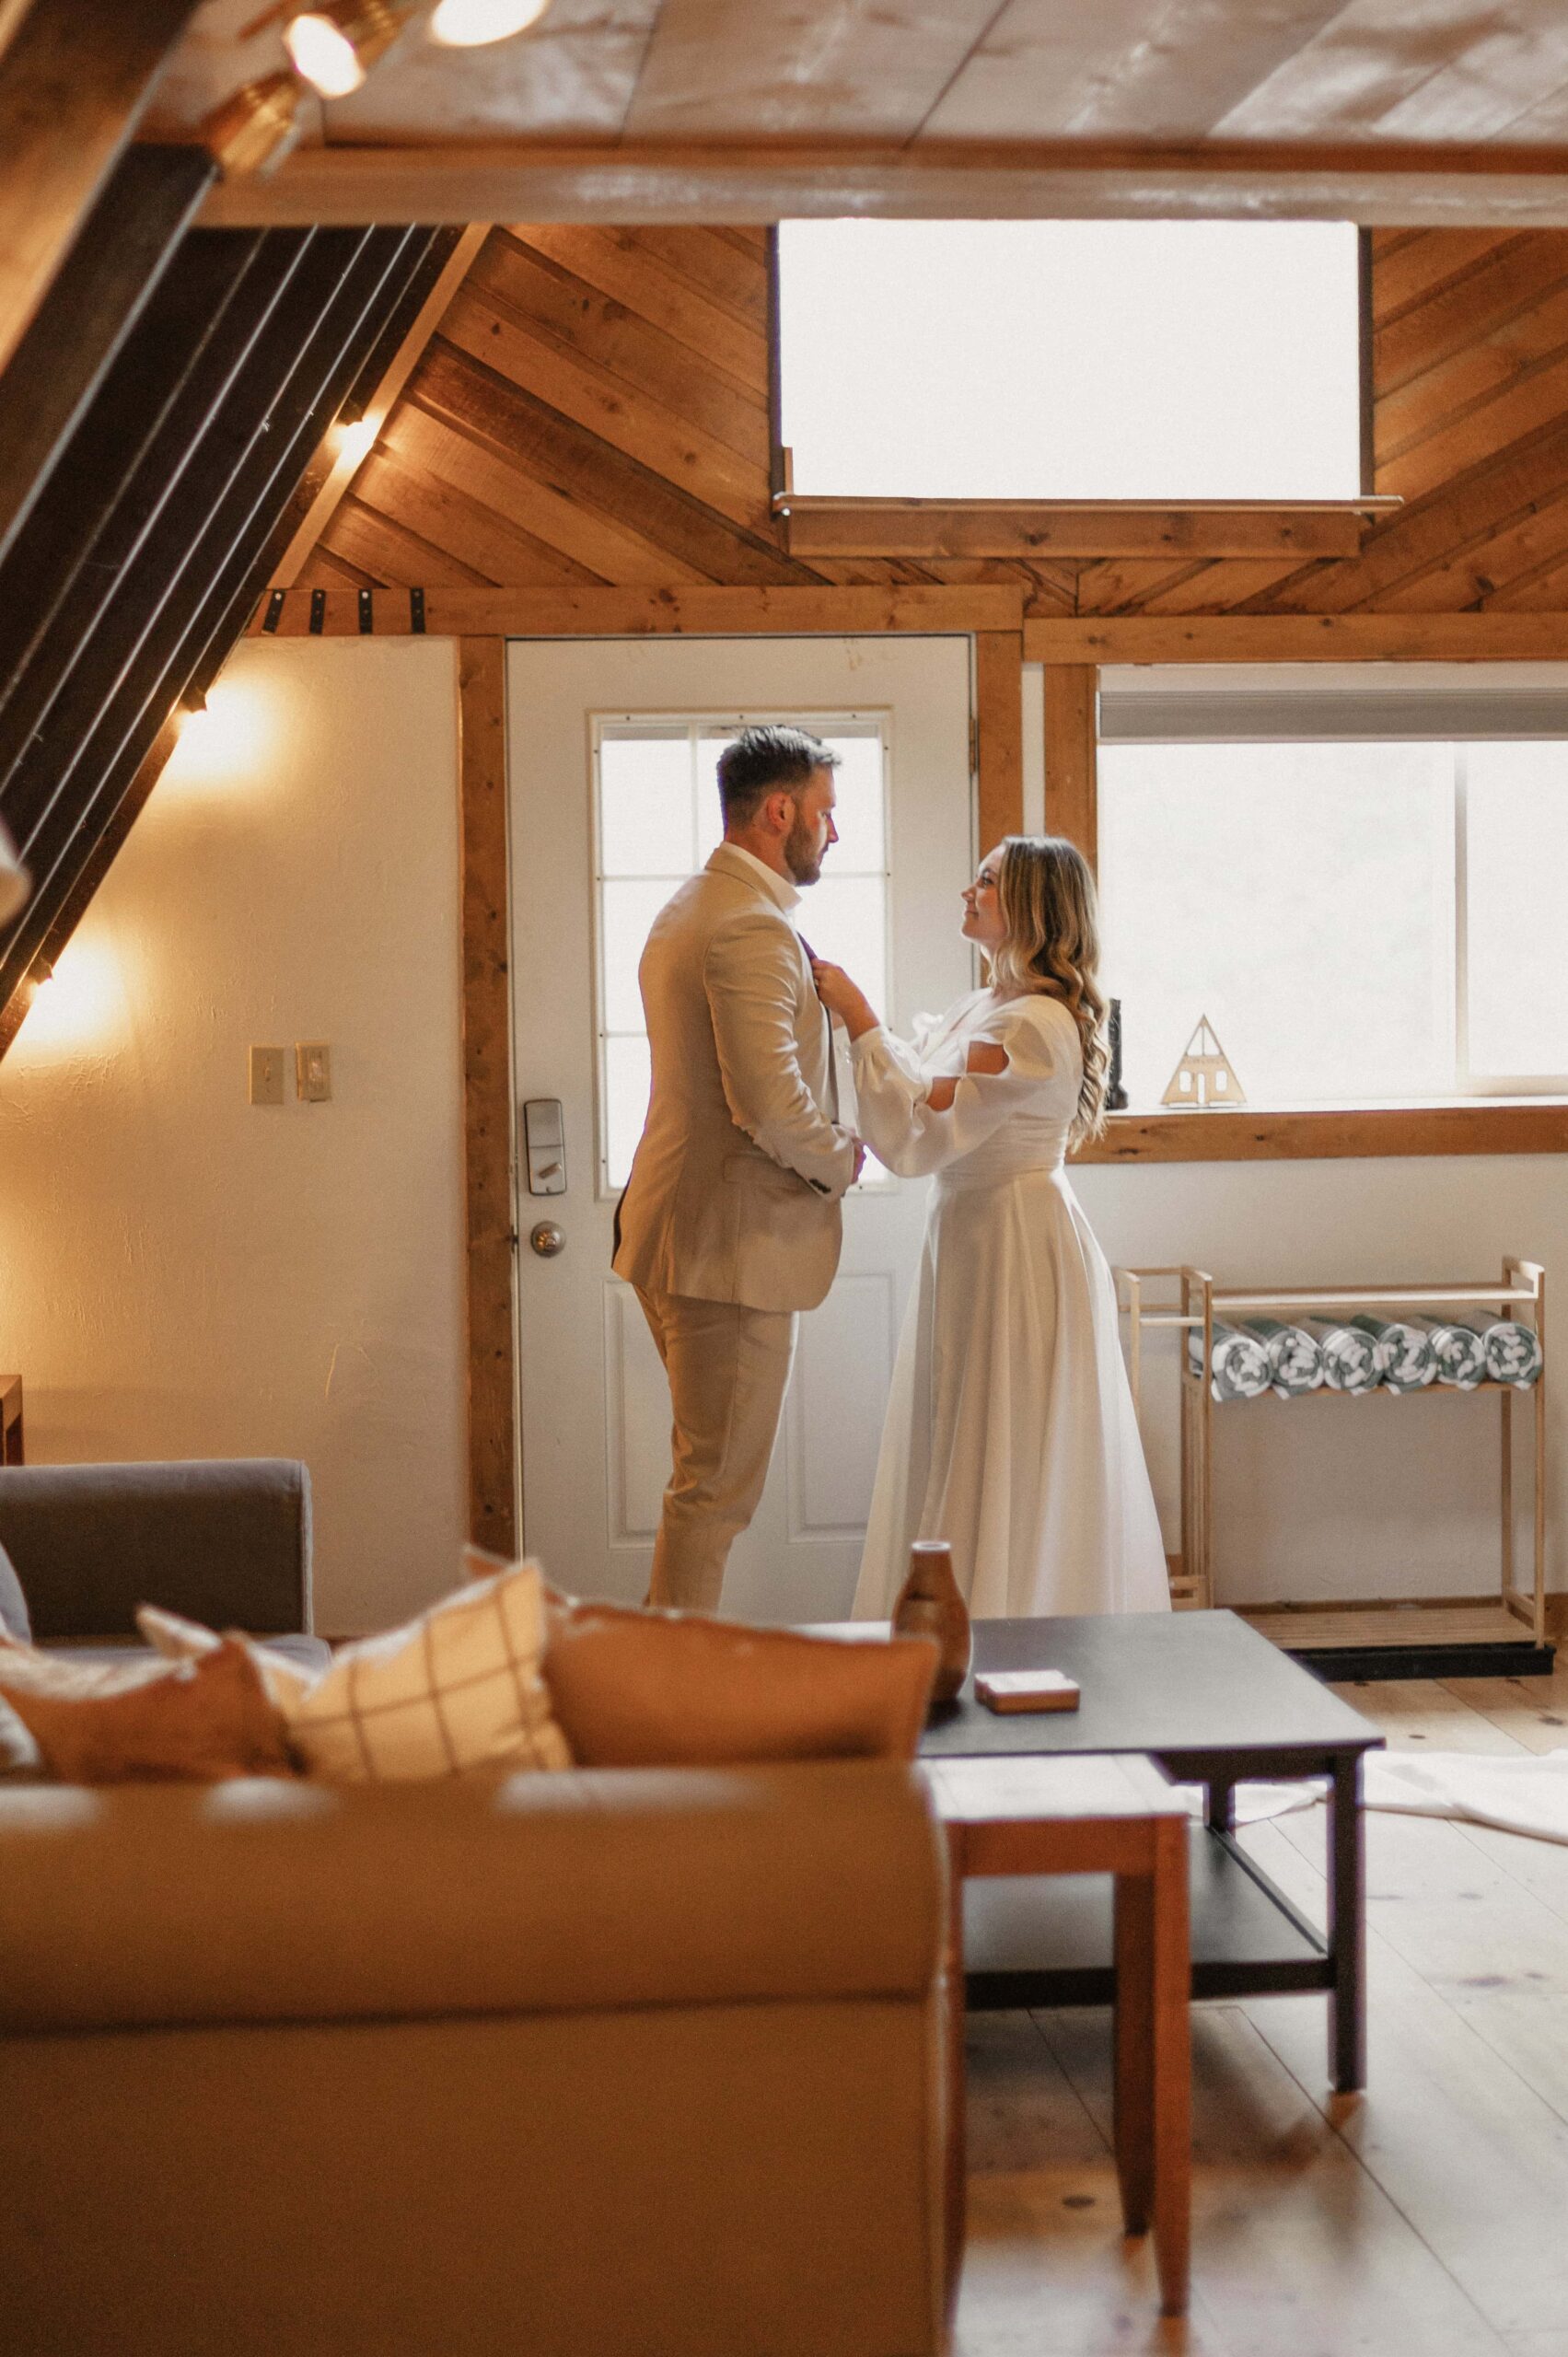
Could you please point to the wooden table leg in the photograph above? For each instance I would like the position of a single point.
(1133, 2098)
(1347, 1931)
(1172, 2071)
(957, 2155)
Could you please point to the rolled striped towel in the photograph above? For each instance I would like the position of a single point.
(1458, 1349)
(1405, 1359)
(1512, 1353)
(1238, 1364)
(1350, 1363)
(1295, 1363)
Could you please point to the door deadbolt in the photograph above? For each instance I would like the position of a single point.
(548, 1240)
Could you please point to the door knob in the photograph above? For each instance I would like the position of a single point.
(548, 1240)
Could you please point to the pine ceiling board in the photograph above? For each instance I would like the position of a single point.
(1502, 354)
(1120, 583)
(578, 465)
(1431, 262)
(1538, 544)
(635, 421)
(322, 570)
(1543, 592)
(1364, 74)
(618, 555)
(605, 336)
(488, 545)
(818, 69)
(1147, 68)
(1495, 288)
(1536, 397)
(572, 78)
(610, 260)
(393, 556)
(1219, 588)
(1511, 71)
(714, 267)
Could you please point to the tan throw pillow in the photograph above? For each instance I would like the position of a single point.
(177, 1639)
(109, 1724)
(671, 1689)
(459, 1687)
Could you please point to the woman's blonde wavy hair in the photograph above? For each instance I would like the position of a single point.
(1052, 946)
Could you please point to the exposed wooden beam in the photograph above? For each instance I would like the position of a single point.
(379, 407)
(487, 1096)
(1385, 185)
(95, 300)
(74, 79)
(1301, 638)
(1071, 755)
(631, 613)
(1334, 1135)
(998, 736)
(894, 527)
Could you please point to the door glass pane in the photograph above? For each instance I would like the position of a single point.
(1299, 895)
(657, 797)
(1517, 908)
(645, 814)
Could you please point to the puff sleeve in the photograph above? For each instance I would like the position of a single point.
(902, 1128)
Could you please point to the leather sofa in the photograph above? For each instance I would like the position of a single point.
(610, 2063)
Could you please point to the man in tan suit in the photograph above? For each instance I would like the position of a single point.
(730, 1221)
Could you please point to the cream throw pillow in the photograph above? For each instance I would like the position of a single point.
(457, 1688)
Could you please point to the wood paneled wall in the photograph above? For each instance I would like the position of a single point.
(595, 410)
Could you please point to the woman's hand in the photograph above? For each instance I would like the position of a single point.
(844, 998)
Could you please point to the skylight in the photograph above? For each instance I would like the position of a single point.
(1039, 360)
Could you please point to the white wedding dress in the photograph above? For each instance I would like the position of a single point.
(1010, 1427)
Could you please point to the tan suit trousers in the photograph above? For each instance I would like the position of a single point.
(728, 1368)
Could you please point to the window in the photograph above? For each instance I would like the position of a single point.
(656, 813)
(1362, 918)
(1042, 360)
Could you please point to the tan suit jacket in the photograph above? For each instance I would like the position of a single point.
(734, 1193)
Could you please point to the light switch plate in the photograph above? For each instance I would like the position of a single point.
(266, 1076)
(312, 1071)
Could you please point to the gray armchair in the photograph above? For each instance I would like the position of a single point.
(226, 1542)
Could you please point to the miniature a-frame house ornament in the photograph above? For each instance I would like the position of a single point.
(1204, 1076)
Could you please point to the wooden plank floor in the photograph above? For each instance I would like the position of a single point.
(1423, 2217)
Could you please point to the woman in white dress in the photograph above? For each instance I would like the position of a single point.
(1010, 1428)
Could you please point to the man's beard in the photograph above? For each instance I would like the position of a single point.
(801, 855)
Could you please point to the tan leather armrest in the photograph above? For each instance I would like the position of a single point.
(597, 1888)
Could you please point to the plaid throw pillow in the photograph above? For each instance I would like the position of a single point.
(459, 1687)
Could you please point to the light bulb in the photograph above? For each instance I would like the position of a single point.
(335, 46)
(469, 24)
(356, 441)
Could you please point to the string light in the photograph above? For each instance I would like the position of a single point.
(254, 131)
(471, 23)
(335, 46)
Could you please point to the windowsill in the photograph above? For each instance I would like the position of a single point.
(818, 526)
(1334, 1132)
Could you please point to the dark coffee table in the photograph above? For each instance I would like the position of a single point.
(1215, 1704)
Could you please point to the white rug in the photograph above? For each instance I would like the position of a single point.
(1524, 1792)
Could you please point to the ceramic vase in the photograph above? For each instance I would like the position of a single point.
(931, 1604)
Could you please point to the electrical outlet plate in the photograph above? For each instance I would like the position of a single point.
(266, 1076)
(312, 1071)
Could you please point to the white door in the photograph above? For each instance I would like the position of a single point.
(612, 746)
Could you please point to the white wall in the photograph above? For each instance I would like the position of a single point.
(182, 1275)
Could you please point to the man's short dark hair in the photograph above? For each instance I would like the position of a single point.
(760, 761)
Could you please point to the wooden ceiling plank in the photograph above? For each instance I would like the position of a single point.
(1160, 68)
(537, 295)
(854, 68)
(528, 434)
(1536, 398)
(1386, 68)
(1517, 275)
(327, 570)
(1527, 546)
(1542, 590)
(1495, 359)
(393, 554)
(660, 188)
(490, 546)
(1077, 530)
(702, 256)
(1120, 584)
(1216, 589)
(611, 262)
(1500, 68)
(1424, 262)
(604, 547)
(628, 418)
(74, 79)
